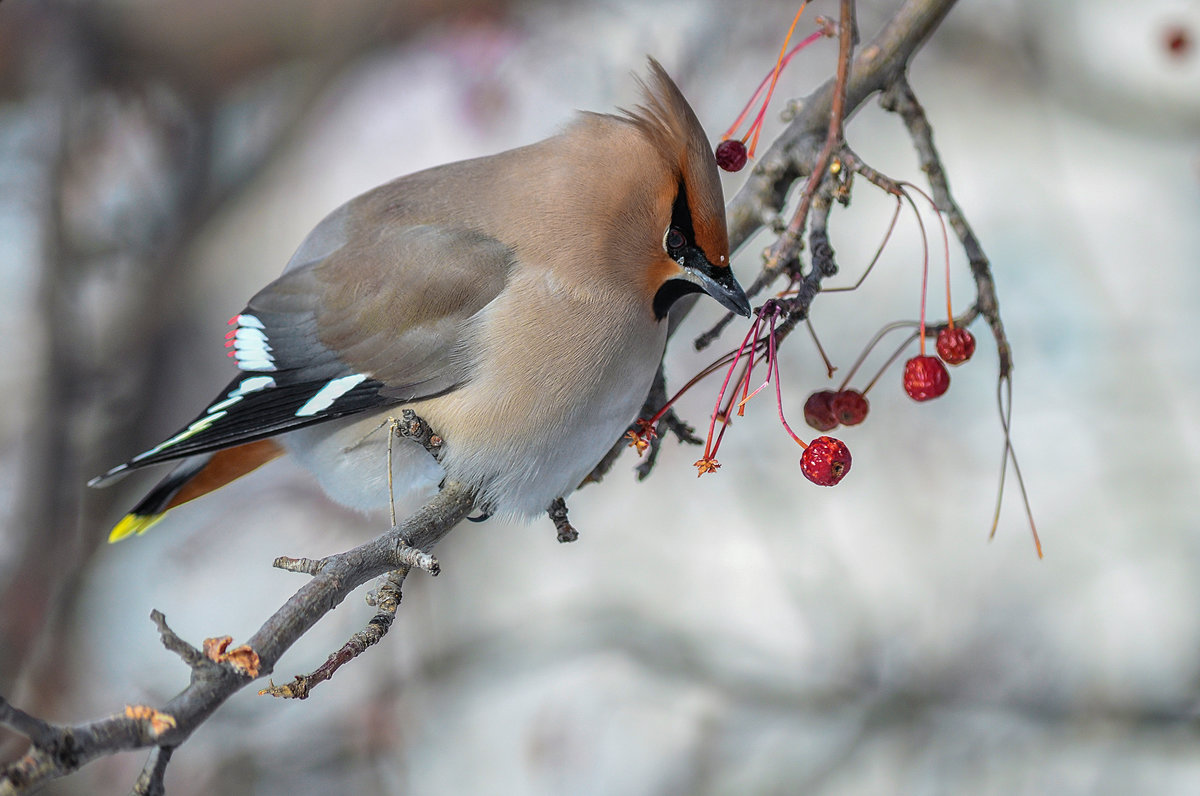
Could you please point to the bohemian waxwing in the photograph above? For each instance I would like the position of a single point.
(516, 302)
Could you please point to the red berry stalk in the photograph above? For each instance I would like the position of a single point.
(825, 461)
(955, 345)
(925, 377)
(646, 430)
(732, 153)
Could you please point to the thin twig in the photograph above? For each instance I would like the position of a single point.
(821, 251)
(190, 655)
(786, 248)
(387, 597)
(151, 781)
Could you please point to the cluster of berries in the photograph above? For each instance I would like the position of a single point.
(925, 377)
(826, 460)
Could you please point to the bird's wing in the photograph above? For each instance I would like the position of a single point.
(376, 318)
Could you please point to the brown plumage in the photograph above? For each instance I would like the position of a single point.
(517, 302)
(226, 465)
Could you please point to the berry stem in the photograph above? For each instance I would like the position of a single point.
(870, 347)
(757, 126)
(924, 265)
(746, 383)
(708, 370)
(945, 245)
(1004, 390)
(773, 367)
(787, 58)
(709, 449)
(878, 252)
(741, 405)
(742, 378)
(829, 368)
(895, 355)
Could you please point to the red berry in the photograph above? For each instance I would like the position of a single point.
(825, 461)
(850, 407)
(956, 345)
(1178, 41)
(819, 412)
(731, 155)
(925, 378)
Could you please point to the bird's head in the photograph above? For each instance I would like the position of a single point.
(688, 209)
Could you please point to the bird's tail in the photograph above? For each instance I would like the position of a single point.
(194, 477)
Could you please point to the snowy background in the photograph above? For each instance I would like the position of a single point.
(744, 633)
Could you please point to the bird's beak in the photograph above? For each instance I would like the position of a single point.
(716, 282)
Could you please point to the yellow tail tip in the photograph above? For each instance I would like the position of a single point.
(132, 524)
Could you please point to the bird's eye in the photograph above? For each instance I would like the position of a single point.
(674, 239)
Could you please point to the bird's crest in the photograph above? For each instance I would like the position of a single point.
(671, 126)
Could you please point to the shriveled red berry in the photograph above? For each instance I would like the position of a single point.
(825, 461)
(850, 407)
(818, 410)
(731, 155)
(956, 345)
(925, 378)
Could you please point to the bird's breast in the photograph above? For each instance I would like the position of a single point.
(559, 371)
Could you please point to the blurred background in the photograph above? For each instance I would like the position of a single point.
(747, 633)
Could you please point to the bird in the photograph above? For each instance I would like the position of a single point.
(517, 302)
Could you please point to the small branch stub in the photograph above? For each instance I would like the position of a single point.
(194, 658)
(304, 566)
(411, 558)
(243, 659)
(558, 515)
(150, 781)
(412, 426)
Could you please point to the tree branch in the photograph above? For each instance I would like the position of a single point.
(59, 750)
(901, 99)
